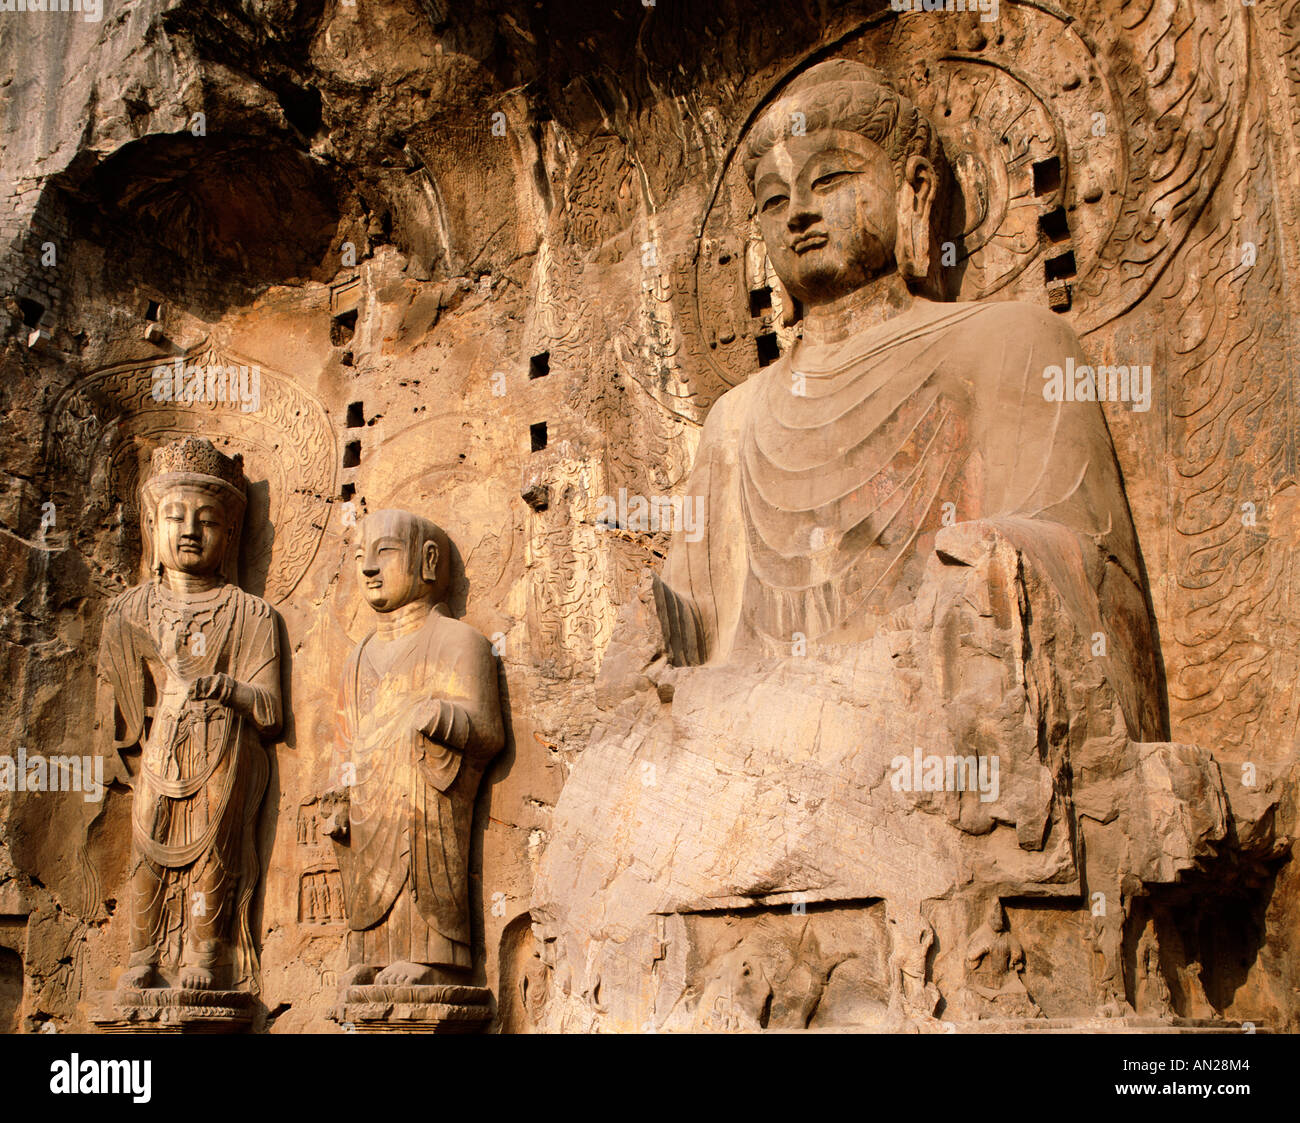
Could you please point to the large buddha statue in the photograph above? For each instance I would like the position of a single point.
(907, 670)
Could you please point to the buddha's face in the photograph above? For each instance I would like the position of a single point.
(194, 530)
(828, 209)
(390, 567)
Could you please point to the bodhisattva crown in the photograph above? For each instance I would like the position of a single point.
(195, 456)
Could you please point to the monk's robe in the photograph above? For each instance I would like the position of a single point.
(827, 481)
(405, 866)
(203, 768)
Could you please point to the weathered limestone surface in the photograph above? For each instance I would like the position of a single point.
(498, 264)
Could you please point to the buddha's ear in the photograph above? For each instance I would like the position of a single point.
(916, 198)
(429, 561)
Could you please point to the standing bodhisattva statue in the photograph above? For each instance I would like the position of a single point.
(193, 665)
(419, 717)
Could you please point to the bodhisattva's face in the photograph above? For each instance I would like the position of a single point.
(194, 530)
(827, 206)
(389, 569)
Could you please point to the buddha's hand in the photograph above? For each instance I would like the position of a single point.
(224, 689)
(334, 805)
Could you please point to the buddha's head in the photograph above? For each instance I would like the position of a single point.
(849, 181)
(192, 508)
(402, 558)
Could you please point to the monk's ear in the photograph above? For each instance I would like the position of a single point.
(429, 562)
(916, 199)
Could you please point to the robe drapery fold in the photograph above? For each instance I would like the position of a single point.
(827, 476)
(411, 799)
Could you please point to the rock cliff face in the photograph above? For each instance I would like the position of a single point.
(495, 264)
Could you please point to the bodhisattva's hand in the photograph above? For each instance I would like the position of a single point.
(224, 689)
(334, 806)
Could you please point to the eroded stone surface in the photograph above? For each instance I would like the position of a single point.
(497, 265)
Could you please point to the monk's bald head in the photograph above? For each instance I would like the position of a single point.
(402, 558)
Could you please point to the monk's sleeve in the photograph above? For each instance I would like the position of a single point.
(471, 723)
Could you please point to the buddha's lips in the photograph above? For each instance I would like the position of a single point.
(807, 242)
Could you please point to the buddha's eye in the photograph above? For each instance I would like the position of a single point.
(775, 202)
(828, 181)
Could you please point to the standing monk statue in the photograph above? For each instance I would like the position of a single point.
(419, 717)
(192, 665)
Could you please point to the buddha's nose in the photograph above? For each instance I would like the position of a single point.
(802, 212)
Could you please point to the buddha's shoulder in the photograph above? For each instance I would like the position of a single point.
(730, 408)
(996, 321)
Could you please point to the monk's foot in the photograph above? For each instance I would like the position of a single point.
(358, 975)
(196, 978)
(405, 974)
(137, 978)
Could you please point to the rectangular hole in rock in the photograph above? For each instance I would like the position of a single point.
(356, 415)
(1059, 267)
(769, 350)
(1047, 175)
(152, 311)
(539, 366)
(537, 436)
(349, 490)
(351, 454)
(760, 301)
(1054, 225)
(343, 327)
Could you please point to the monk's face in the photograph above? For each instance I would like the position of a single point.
(194, 530)
(827, 206)
(389, 564)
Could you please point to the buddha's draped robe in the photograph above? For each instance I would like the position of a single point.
(405, 866)
(203, 769)
(827, 476)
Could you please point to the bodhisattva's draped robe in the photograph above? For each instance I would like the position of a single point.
(822, 505)
(405, 866)
(203, 768)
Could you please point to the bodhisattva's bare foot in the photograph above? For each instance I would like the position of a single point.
(137, 978)
(195, 978)
(358, 975)
(405, 974)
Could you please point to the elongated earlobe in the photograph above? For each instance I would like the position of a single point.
(429, 566)
(915, 200)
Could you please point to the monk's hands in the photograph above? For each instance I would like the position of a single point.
(224, 689)
(426, 715)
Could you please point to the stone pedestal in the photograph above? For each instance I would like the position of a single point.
(413, 1009)
(173, 1010)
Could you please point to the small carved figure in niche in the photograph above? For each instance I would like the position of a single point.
(1153, 997)
(419, 717)
(995, 962)
(191, 667)
(738, 997)
(910, 992)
